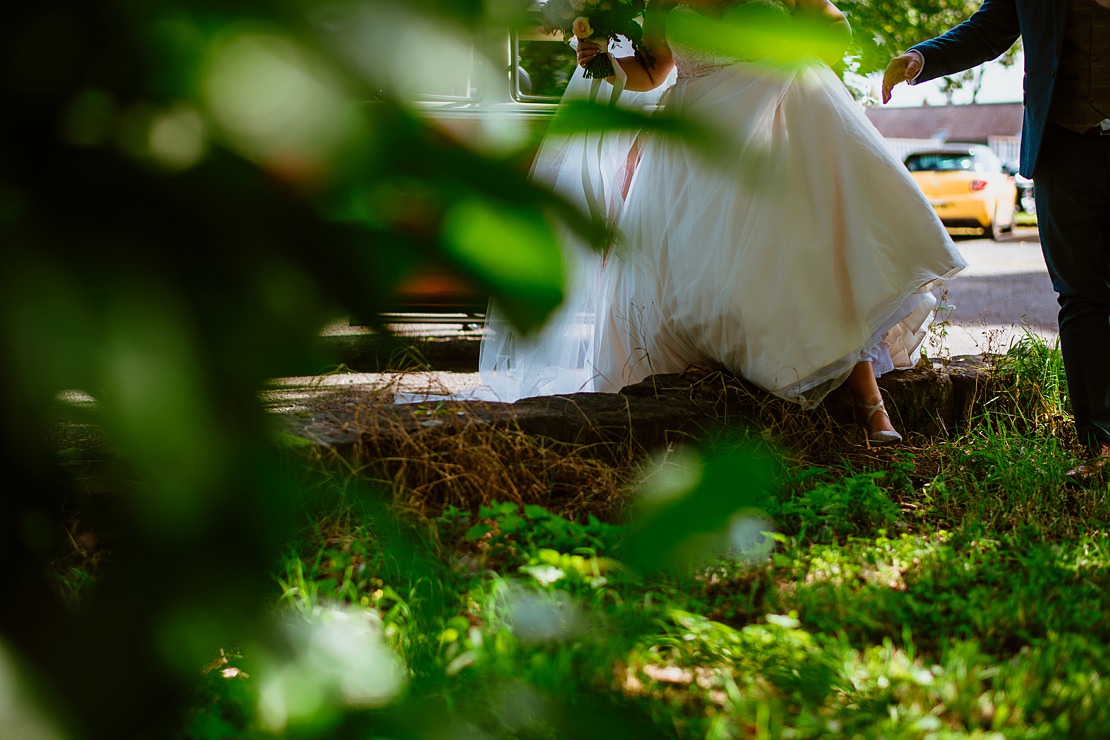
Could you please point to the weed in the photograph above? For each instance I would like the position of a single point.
(505, 535)
(406, 357)
(1031, 375)
(936, 346)
(831, 509)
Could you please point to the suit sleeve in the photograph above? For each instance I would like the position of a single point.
(984, 36)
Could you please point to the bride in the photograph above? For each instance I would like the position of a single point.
(799, 256)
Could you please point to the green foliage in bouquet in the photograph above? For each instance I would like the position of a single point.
(597, 20)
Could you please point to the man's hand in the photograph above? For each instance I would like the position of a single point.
(902, 69)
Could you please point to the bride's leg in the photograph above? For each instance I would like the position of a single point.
(865, 392)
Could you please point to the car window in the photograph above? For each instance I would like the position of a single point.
(457, 81)
(414, 57)
(544, 64)
(940, 162)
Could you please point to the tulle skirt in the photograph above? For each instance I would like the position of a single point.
(786, 252)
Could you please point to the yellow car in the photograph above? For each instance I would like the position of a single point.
(967, 186)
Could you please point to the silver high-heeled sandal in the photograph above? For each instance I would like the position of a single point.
(881, 437)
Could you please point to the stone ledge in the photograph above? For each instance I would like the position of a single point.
(923, 402)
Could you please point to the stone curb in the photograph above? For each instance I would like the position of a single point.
(924, 402)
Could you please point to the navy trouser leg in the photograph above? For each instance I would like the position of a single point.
(1072, 186)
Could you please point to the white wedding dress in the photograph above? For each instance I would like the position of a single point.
(796, 250)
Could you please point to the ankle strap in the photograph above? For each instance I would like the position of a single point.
(872, 408)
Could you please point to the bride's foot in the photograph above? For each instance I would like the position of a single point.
(875, 421)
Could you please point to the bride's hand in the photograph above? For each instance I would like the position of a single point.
(587, 52)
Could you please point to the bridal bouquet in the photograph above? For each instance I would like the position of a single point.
(599, 21)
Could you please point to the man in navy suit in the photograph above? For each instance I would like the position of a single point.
(1065, 148)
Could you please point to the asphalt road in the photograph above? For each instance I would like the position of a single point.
(1004, 292)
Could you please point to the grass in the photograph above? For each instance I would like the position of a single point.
(500, 588)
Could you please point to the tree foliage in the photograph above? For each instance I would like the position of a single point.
(885, 29)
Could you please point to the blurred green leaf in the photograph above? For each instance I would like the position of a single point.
(515, 252)
(758, 32)
(689, 501)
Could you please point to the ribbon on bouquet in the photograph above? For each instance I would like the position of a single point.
(593, 185)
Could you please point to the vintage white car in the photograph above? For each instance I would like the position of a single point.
(496, 96)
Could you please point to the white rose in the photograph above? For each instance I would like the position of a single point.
(582, 28)
(578, 4)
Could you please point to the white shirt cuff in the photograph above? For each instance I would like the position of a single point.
(920, 56)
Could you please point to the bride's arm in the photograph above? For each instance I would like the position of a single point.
(825, 12)
(641, 75)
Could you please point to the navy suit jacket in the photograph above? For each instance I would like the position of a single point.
(991, 31)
